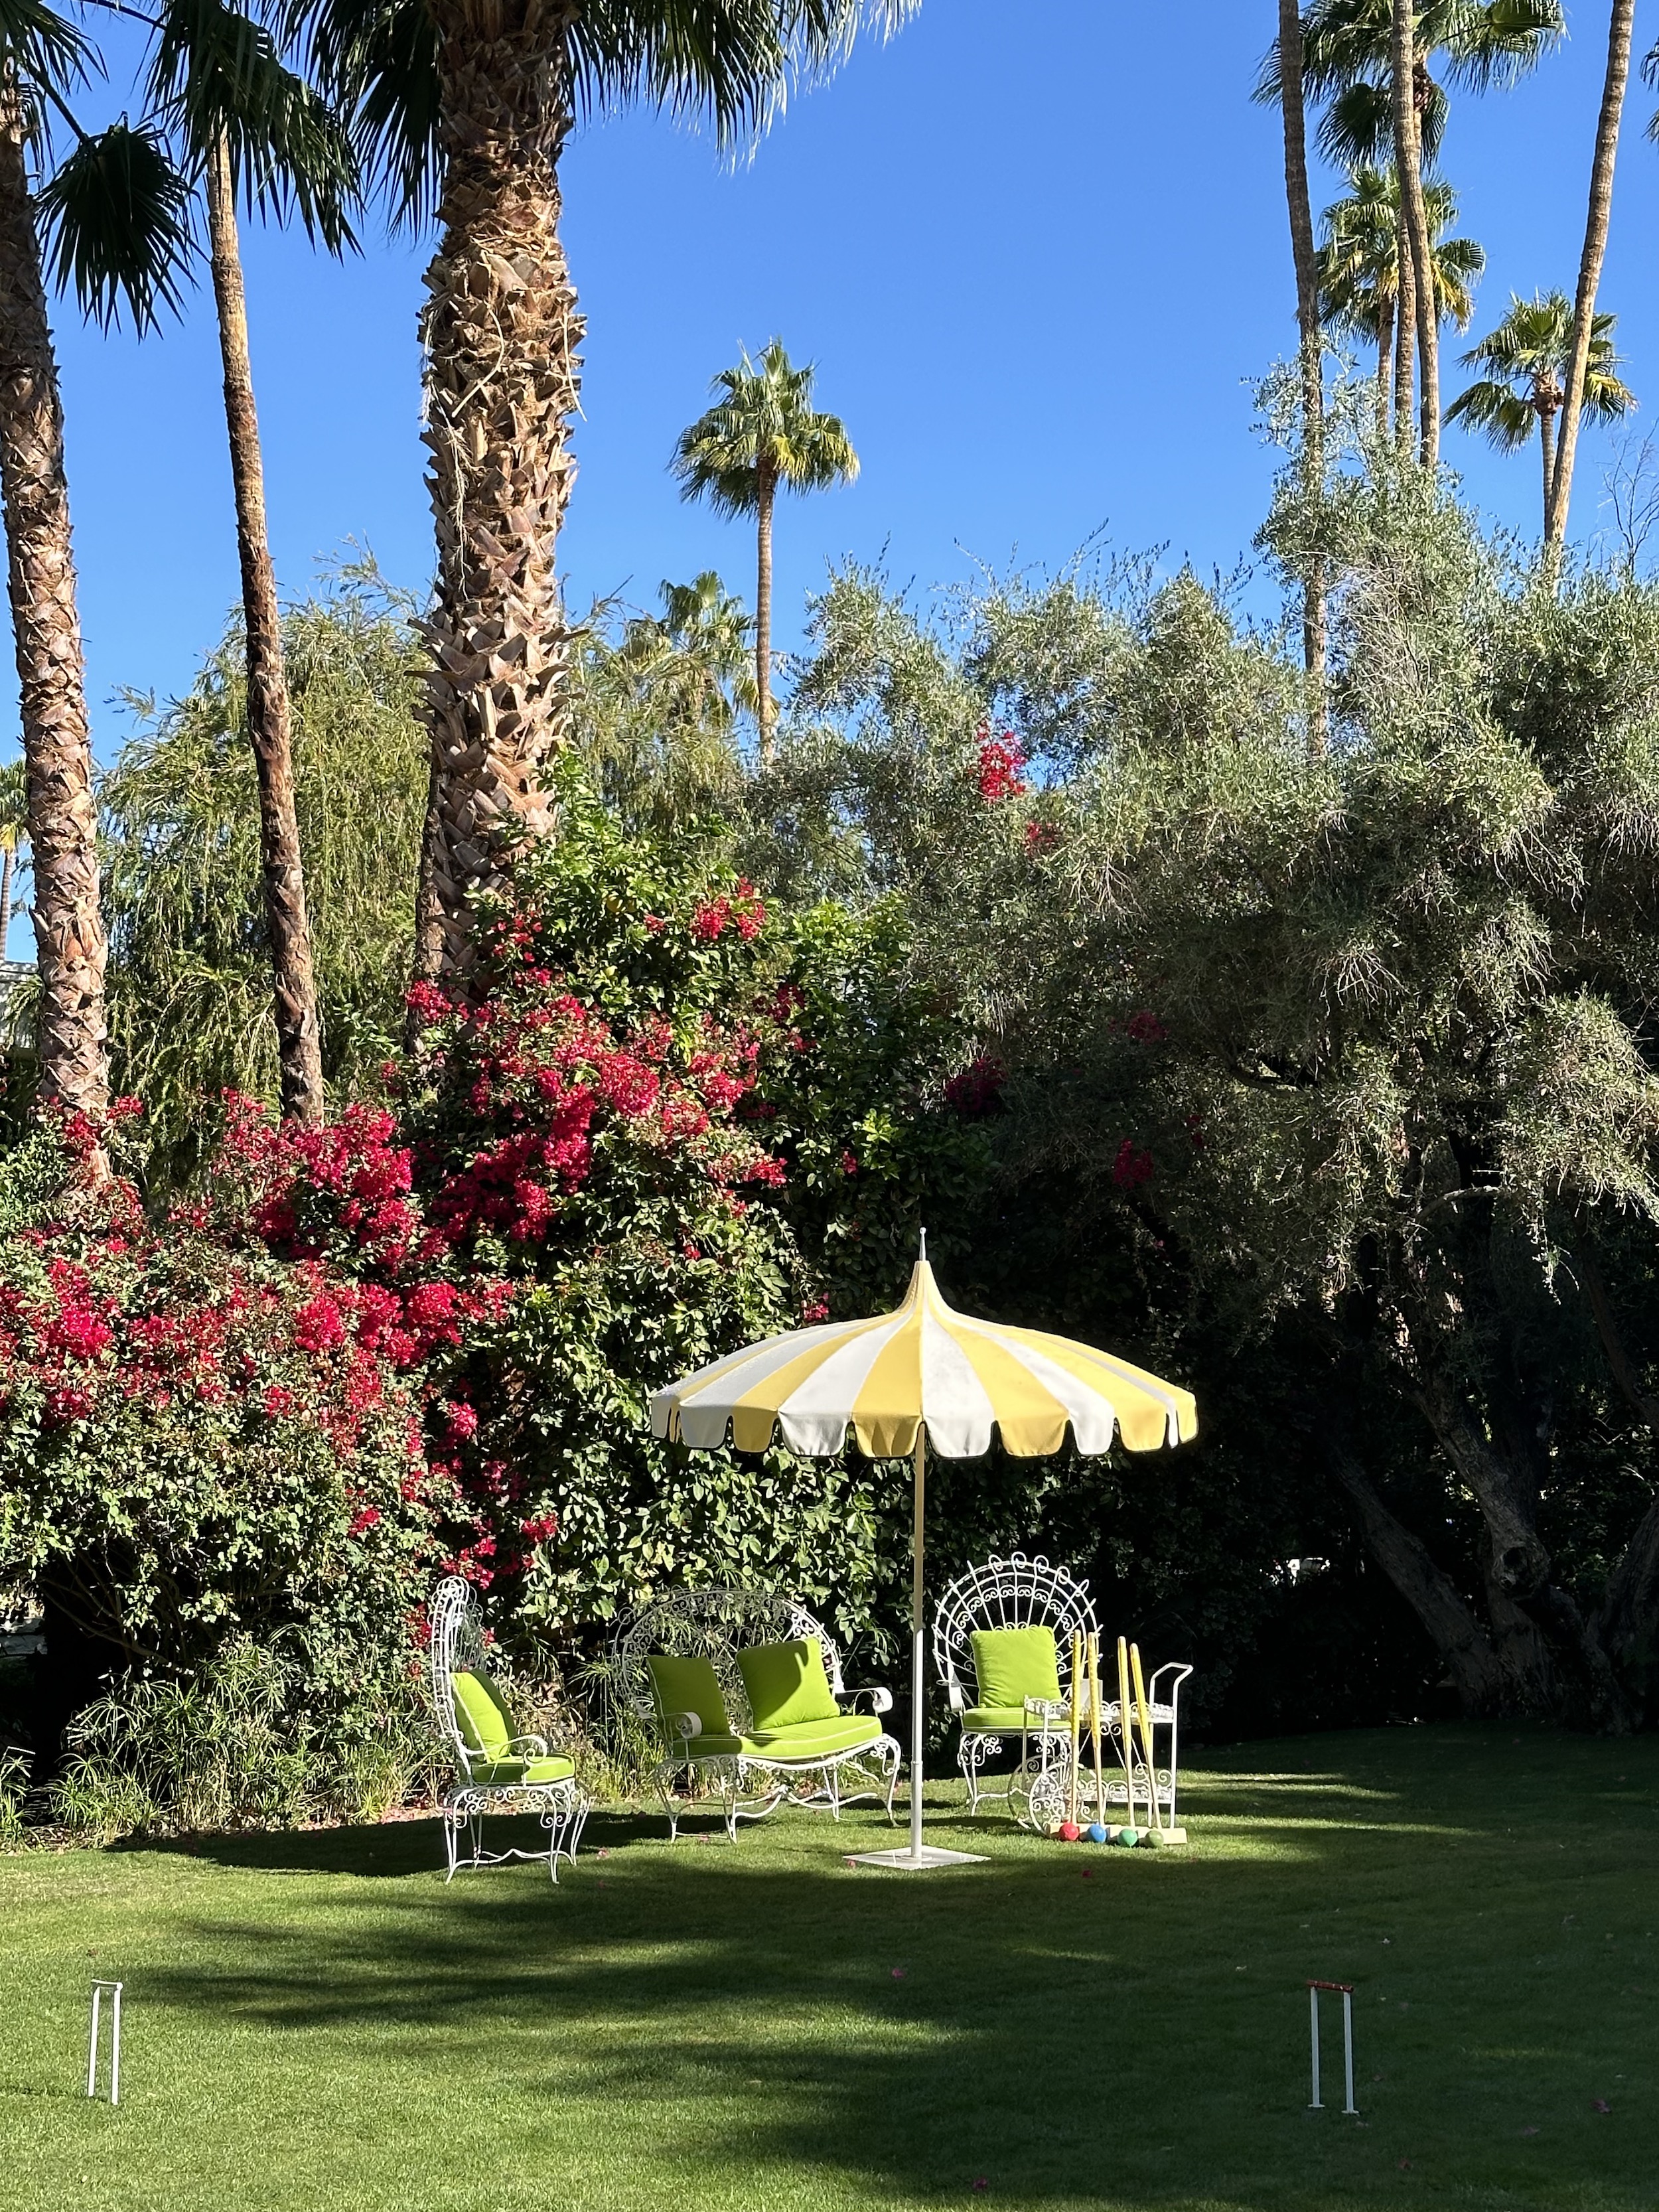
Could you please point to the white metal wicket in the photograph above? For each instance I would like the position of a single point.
(1345, 1990)
(97, 1990)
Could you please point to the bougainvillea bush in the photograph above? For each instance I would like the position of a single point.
(663, 1120)
(200, 1442)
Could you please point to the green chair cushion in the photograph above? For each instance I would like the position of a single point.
(711, 1746)
(1012, 1664)
(504, 1773)
(481, 1713)
(813, 1739)
(1010, 1720)
(689, 1686)
(787, 1684)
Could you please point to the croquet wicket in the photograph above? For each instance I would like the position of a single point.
(1346, 1988)
(98, 1992)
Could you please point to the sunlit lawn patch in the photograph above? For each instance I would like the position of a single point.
(315, 2020)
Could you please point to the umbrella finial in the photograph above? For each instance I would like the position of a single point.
(924, 1244)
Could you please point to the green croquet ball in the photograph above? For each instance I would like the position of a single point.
(1128, 1838)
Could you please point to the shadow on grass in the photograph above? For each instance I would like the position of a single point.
(1043, 2020)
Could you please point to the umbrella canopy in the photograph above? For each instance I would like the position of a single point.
(923, 1374)
(925, 1366)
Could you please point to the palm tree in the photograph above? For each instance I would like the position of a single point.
(763, 435)
(1530, 357)
(468, 104)
(1597, 222)
(656, 709)
(132, 224)
(236, 122)
(1310, 343)
(14, 832)
(1359, 265)
(1352, 51)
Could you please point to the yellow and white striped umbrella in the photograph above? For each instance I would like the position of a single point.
(925, 1374)
(924, 1367)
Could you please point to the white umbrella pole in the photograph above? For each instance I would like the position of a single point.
(916, 1652)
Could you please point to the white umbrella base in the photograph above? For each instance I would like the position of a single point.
(916, 1861)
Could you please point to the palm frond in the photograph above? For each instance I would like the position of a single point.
(1492, 407)
(117, 221)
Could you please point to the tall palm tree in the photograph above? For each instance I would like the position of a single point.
(1359, 265)
(1310, 343)
(468, 104)
(236, 122)
(1530, 357)
(1349, 60)
(763, 435)
(1597, 222)
(14, 833)
(132, 225)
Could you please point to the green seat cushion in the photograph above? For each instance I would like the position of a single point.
(689, 1686)
(813, 1739)
(1012, 1664)
(500, 1774)
(1010, 1720)
(481, 1712)
(712, 1746)
(787, 1684)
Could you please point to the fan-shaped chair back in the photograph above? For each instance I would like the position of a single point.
(713, 1624)
(458, 1647)
(1012, 1593)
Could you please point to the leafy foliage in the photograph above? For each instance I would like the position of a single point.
(189, 978)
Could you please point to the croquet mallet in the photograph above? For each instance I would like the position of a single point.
(1077, 1684)
(1143, 1712)
(1126, 1741)
(1094, 1717)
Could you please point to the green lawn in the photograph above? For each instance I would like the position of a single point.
(316, 2022)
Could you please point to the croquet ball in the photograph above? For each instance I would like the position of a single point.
(1097, 1833)
(1128, 1837)
(1069, 1832)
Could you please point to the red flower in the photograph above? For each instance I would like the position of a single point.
(1000, 760)
(1132, 1166)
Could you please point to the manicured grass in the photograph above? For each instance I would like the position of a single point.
(316, 2022)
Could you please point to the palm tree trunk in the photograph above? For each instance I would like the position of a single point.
(5, 898)
(500, 331)
(1405, 338)
(1384, 368)
(69, 928)
(1414, 222)
(768, 492)
(1546, 441)
(1597, 221)
(1311, 348)
(299, 1035)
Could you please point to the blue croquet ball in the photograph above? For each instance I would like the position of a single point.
(1097, 1833)
(1128, 1837)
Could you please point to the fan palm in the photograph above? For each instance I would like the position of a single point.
(1598, 221)
(120, 202)
(656, 710)
(1349, 61)
(1359, 264)
(14, 832)
(236, 122)
(1528, 356)
(467, 105)
(763, 435)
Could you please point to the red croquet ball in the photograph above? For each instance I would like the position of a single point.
(1069, 1832)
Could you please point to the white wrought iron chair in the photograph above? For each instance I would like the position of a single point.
(1029, 1593)
(497, 1769)
(718, 1751)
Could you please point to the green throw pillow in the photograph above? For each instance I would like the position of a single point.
(1012, 1664)
(787, 1683)
(481, 1713)
(689, 1686)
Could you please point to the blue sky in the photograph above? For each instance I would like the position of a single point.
(1038, 255)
